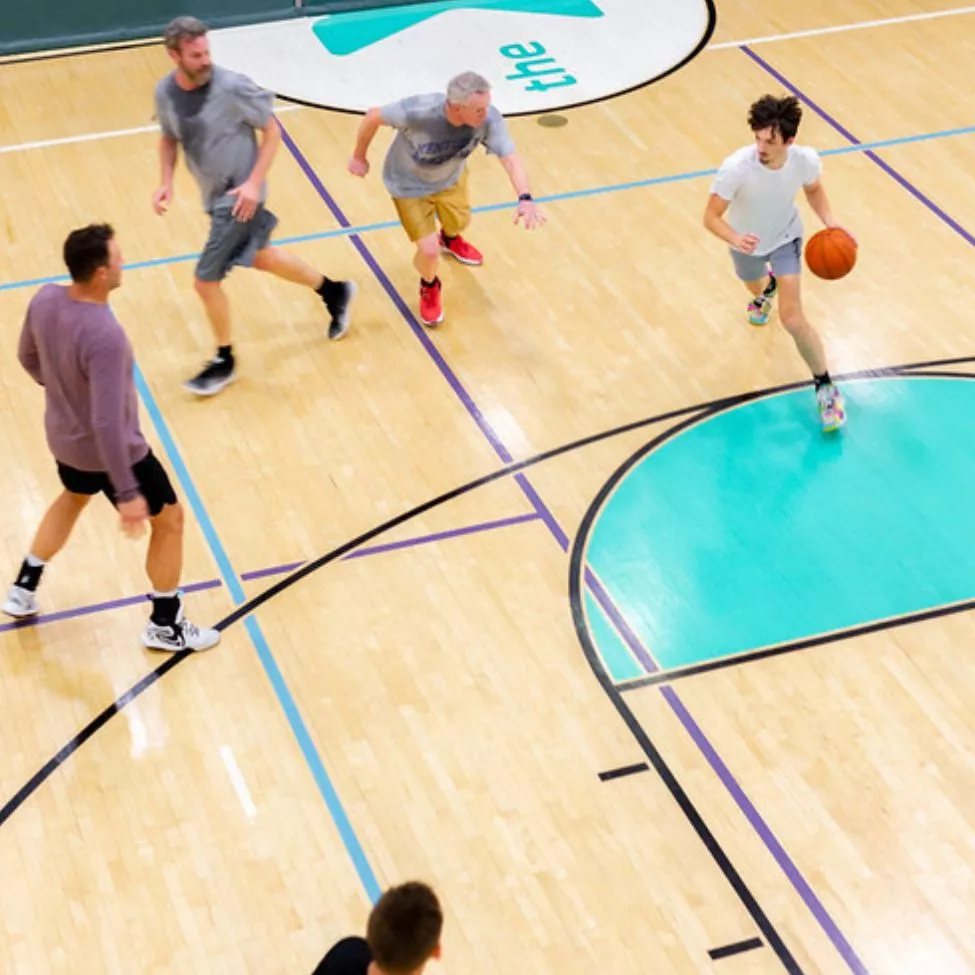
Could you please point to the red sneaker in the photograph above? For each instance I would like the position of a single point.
(431, 310)
(461, 250)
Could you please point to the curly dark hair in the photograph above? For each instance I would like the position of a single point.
(782, 115)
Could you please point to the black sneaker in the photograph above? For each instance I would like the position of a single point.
(216, 374)
(338, 306)
(772, 287)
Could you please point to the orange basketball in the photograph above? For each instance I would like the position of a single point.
(831, 253)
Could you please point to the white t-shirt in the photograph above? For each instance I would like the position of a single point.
(763, 200)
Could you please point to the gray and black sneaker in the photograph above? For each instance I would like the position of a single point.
(339, 303)
(217, 373)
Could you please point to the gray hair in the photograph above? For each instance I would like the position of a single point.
(460, 89)
(183, 29)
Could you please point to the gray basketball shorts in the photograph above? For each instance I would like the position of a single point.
(786, 259)
(232, 242)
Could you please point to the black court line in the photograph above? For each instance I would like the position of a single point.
(668, 676)
(738, 948)
(706, 36)
(96, 724)
(619, 773)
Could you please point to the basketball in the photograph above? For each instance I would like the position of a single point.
(831, 253)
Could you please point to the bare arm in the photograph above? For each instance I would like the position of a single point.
(168, 153)
(518, 175)
(715, 222)
(515, 169)
(270, 141)
(368, 127)
(816, 196)
(248, 194)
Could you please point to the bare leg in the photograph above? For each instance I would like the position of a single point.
(427, 257)
(794, 321)
(164, 560)
(217, 308)
(284, 265)
(57, 525)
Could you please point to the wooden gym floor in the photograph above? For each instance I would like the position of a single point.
(423, 706)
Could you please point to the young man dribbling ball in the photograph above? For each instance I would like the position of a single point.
(752, 208)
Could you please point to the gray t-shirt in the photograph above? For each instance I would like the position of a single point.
(215, 124)
(428, 153)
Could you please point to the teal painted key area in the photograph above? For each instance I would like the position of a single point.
(751, 528)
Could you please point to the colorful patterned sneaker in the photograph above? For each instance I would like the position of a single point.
(461, 250)
(832, 409)
(759, 309)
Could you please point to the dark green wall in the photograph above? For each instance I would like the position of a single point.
(38, 25)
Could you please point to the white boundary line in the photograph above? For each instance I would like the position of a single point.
(843, 28)
(97, 136)
(724, 45)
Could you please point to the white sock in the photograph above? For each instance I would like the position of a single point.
(34, 562)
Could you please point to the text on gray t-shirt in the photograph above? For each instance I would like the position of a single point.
(428, 153)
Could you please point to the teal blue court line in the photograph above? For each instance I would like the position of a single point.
(281, 690)
(491, 207)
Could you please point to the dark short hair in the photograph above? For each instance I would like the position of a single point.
(782, 115)
(183, 29)
(404, 927)
(86, 250)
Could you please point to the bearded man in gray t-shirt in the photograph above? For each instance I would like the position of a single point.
(214, 114)
(425, 172)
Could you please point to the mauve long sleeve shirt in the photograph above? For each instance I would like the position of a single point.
(79, 353)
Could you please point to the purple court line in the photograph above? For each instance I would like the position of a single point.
(67, 614)
(405, 543)
(747, 808)
(869, 153)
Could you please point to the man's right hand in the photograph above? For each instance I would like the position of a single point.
(358, 167)
(162, 198)
(746, 243)
(135, 514)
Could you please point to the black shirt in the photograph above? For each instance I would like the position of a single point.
(350, 956)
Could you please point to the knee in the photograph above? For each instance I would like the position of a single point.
(429, 246)
(171, 519)
(265, 259)
(206, 289)
(792, 318)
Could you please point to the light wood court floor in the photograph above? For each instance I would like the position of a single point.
(423, 706)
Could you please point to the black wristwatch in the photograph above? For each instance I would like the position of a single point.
(525, 197)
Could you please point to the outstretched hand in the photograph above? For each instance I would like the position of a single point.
(531, 213)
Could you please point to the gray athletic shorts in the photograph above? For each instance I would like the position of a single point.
(786, 259)
(232, 242)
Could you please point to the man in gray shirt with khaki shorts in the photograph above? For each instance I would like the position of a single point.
(425, 172)
(213, 113)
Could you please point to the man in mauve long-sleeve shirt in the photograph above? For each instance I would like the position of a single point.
(73, 345)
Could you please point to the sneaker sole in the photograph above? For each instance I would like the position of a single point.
(30, 614)
(346, 320)
(462, 260)
(433, 323)
(209, 392)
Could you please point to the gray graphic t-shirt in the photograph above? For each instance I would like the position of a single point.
(215, 124)
(428, 153)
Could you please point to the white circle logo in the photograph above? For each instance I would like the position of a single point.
(539, 55)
